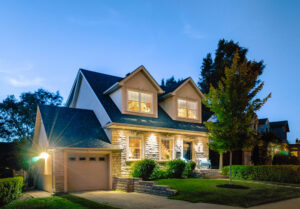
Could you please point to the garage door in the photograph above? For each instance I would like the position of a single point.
(87, 172)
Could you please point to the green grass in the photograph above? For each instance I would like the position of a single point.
(205, 190)
(64, 201)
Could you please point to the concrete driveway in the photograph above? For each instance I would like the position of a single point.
(146, 201)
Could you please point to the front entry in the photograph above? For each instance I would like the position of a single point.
(187, 150)
(87, 172)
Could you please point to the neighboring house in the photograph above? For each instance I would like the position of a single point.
(263, 125)
(295, 149)
(280, 129)
(109, 122)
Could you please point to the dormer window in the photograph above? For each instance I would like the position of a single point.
(187, 109)
(140, 102)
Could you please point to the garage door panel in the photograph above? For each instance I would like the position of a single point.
(87, 172)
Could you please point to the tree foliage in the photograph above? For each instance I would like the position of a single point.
(169, 82)
(234, 104)
(212, 70)
(17, 117)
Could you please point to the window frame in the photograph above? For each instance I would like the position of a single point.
(139, 101)
(142, 147)
(187, 110)
(172, 148)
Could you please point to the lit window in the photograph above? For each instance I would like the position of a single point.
(139, 102)
(187, 109)
(133, 101)
(135, 148)
(166, 150)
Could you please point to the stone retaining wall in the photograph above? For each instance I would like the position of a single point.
(138, 185)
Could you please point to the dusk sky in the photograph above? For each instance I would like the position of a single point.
(44, 43)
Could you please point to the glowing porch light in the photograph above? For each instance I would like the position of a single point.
(44, 155)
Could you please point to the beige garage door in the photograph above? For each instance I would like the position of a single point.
(87, 172)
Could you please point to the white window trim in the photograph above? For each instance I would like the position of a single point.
(139, 92)
(188, 100)
(142, 147)
(173, 148)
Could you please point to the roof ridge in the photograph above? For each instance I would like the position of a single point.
(81, 69)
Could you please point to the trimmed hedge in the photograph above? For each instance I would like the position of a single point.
(175, 168)
(144, 168)
(10, 189)
(276, 173)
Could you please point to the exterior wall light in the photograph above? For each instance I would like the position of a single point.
(44, 155)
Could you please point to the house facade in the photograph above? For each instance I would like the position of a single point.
(110, 122)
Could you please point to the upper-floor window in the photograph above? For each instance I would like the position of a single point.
(140, 102)
(187, 109)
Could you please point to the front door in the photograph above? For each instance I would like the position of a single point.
(187, 150)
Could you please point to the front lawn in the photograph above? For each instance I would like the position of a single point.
(65, 201)
(205, 190)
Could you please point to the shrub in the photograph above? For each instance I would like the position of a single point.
(10, 189)
(143, 168)
(276, 173)
(175, 168)
(189, 169)
(159, 173)
(281, 159)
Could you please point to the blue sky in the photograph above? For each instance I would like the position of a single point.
(44, 43)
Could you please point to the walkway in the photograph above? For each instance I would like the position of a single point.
(146, 201)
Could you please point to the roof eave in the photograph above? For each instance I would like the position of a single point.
(113, 88)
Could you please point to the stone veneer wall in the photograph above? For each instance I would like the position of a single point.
(138, 185)
(151, 149)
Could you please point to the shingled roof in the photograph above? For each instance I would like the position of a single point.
(70, 127)
(262, 121)
(100, 82)
(279, 124)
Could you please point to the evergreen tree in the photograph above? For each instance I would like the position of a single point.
(213, 70)
(234, 104)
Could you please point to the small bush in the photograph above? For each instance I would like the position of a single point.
(143, 168)
(175, 168)
(159, 173)
(10, 189)
(276, 173)
(189, 169)
(280, 159)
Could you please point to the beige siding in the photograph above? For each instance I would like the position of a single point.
(59, 171)
(117, 98)
(87, 100)
(187, 92)
(139, 82)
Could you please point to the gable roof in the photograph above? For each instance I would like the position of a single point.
(279, 124)
(171, 90)
(70, 127)
(262, 121)
(118, 84)
(101, 82)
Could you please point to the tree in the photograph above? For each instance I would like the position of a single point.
(170, 82)
(17, 117)
(213, 70)
(234, 104)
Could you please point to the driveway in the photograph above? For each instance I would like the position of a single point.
(146, 201)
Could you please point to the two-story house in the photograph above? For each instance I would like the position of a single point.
(109, 122)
